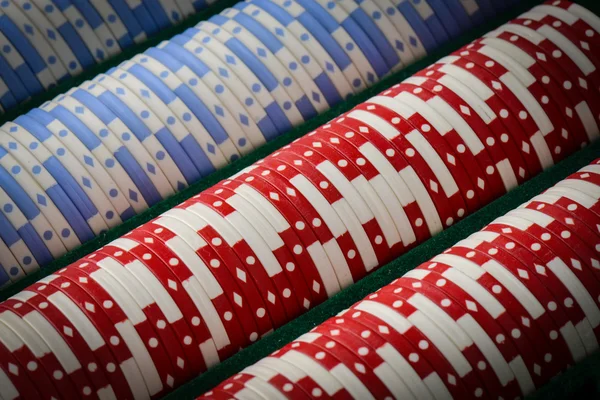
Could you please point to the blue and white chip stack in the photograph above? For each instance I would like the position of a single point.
(44, 42)
(114, 146)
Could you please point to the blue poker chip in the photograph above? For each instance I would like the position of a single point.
(27, 51)
(331, 46)
(452, 15)
(107, 109)
(280, 120)
(196, 105)
(163, 134)
(129, 20)
(175, 47)
(63, 177)
(363, 42)
(429, 15)
(166, 95)
(67, 206)
(143, 16)
(12, 239)
(20, 198)
(7, 100)
(53, 191)
(303, 104)
(96, 22)
(19, 66)
(430, 43)
(378, 38)
(159, 14)
(487, 9)
(70, 35)
(474, 11)
(324, 83)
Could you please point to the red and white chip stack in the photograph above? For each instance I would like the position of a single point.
(497, 315)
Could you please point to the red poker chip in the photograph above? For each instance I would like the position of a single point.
(534, 115)
(451, 206)
(432, 297)
(422, 332)
(274, 378)
(124, 364)
(363, 175)
(334, 208)
(229, 299)
(221, 342)
(106, 363)
(573, 203)
(68, 379)
(293, 371)
(309, 357)
(344, 254)
(70, 335)
(579, 113)
(337, 250)
(544, 298)
(237, 270)
(369, 358)
(517, 243)
(493, 134)
(266, 389)
(546, 90)
(529, 327)
(280, 224)
(171, 335)
(491, 159)
(549, 246)
(569, 6)
(407, 361)
(295, 231)
(497, 110)
(585, 31)
(438, 130)
(395, 172)
(185, 318)
(256, 255)
(152, 358)
(271, 237)
(546, 153)
(230, 239)
(163, 332)
(43, 368)
(527, 247)
(574, 233)
(217, 394)
(365, 381)
(326, 159)
(570, 137)
(372, 159)
(18, 376)
(583, 257)
(552, 42)
(510, 364)
(576, 33)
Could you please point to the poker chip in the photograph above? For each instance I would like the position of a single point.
(152, 126)
(497, 315)
(47, 42)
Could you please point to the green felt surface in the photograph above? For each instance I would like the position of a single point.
(580, 381)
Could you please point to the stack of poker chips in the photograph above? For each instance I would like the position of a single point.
(109, 149)
(163, 303)
(45, 42)
(495, 316)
